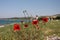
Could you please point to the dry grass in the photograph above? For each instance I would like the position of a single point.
(30, 33)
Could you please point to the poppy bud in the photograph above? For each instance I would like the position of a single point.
(25, 25)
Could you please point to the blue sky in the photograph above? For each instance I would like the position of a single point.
(15, 8)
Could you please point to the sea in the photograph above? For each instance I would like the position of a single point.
(9, 21)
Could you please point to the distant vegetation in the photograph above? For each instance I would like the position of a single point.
(40, 17)
(57, 17)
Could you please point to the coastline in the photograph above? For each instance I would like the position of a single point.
(3, 25)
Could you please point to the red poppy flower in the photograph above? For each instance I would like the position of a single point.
(35, 22)
(16, 27)
(45, 19)
(25, 25)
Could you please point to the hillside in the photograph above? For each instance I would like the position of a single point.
(57, 15)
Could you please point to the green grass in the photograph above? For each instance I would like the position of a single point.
(30, 33)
